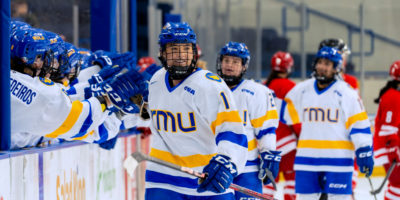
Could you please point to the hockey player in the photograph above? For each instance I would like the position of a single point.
(345, 51)
(334, 125)
(349, 79)
(286, 137)
(387, 133)
(42, 108)
(257, 108)
(195, 124)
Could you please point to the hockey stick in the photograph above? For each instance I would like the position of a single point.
(370, 184)
(271, 178)
(377, 191)
(132, 161)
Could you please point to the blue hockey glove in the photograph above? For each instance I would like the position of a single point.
(365, 161)
(220, 173)
(269, 160)
(122, 88)
(152, 69)
(94, 90)
(104, 74)
(127, 59)
(103, 61)
(109, 144)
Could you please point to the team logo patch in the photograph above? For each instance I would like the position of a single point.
(46, 81)
(213, 77)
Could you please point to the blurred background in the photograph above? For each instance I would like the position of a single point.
(367, 26)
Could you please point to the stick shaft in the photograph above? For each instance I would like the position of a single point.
(201, 175)
(372, 187)
(385, 179)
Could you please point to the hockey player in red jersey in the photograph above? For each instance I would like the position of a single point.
(278, 81)
(387, 134)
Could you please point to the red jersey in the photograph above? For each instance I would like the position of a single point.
(285, 139)
(351, 80)
(387, 124)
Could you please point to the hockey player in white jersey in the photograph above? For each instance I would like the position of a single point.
(334, 126)
(41, 107)
(195, 124)
(256, 106)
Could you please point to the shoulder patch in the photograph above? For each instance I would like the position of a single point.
(46, 81)
(213, 77)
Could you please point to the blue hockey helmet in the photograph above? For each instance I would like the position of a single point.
(332, 54)
(18, 25)
(178, 33)
(235, 49)
(27, 46)
(86, 57)
(238, 50)
(70, 62)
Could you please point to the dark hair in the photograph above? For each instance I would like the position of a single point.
(389, 84)
(273, 75)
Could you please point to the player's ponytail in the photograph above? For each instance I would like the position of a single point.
(273, 75)
(389, 84)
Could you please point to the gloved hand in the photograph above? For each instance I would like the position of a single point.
(127, 59)
(123, 87)
(365, 161)
(94, 90)
(220, 173)
(104, 74)
(109, 144)
(103, 60)
(269, 160)
(152, 69)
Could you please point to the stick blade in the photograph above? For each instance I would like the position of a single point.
(130, 165)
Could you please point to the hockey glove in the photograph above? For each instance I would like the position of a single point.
(103, 61)
(104, 74)
(152, 69)
(219, 175)
(109, 144)
(94, 90)
(269, 161)
(365, 161)
(123, 87)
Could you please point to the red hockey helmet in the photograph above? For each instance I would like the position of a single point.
(395, 70)
(282, 62)
(144, 62)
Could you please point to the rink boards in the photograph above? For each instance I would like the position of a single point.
(74, 171)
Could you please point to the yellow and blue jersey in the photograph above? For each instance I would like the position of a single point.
(334, 124)
(42, 108)
(191, 123)
(257, 109)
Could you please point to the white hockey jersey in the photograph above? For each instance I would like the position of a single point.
(257, 108)
(41, 107)
(191, 123)
(334, 124)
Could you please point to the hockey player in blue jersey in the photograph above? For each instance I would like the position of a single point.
(257, 108)
(335, 125)
(195, 124)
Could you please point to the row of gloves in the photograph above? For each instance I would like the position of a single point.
(221, 171)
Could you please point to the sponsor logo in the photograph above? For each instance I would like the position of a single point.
(73, 188)
(338, 185)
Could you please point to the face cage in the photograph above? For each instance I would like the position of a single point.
(230, 80)
(323, 79)
(179, 72)
(48, 63)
